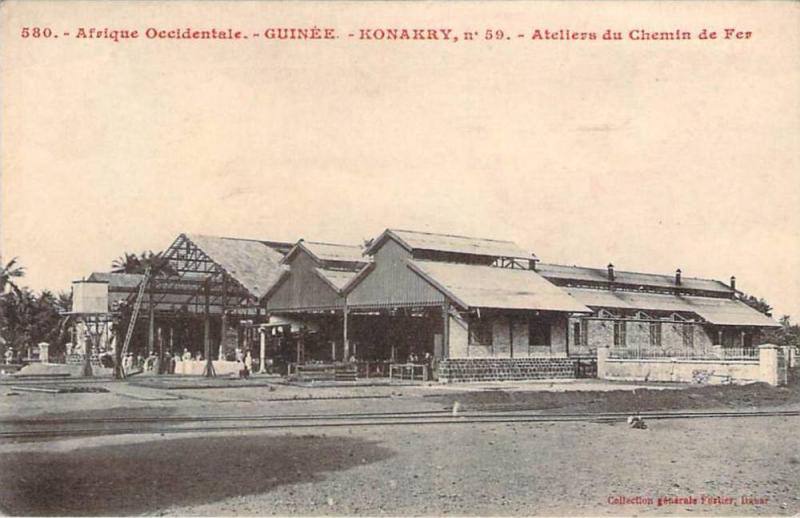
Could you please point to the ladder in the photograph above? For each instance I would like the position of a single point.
(134, 316)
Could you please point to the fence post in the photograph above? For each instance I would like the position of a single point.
(789, 356)
(769, 364)
(602, 357)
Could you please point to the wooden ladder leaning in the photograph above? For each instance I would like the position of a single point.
(134, 317)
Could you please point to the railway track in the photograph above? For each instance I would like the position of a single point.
(48, 428)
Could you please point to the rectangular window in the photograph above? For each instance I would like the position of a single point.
(620, 338)
(576, 333)
(480, 332)
(538, 332)
(655, 334)
(688, 336)
(584, 332)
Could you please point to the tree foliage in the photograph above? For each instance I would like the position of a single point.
(28, 318)
(132, 263)
(756, 303)
(787, 334)
(11, 271)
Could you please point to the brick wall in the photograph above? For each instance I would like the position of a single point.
(637, 334)
(672, 336)
(505, 369)
(504, 329)
(600, 333)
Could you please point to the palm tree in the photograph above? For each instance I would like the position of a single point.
(132, 263)
(64, 301)
(127, 263)
(12, 270)
(159, 265)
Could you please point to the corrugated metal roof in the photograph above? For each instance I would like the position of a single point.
(600, 275)
(331, 252)
(337, 278)
(720, 311)
(729, 312)
(254, 264)
(598, 298)
(475, 286)
(117, 280)
(413, 240)
(654, 301)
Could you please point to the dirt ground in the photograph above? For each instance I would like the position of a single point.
(639, 399)
(465, 469)
(565, 468)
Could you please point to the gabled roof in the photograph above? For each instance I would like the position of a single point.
(337, 279)
(328, 252)
(600, 275)
(478, 286)
(122, 281)
(413, 240)
(719, 311)
(359, 276)
(254, 264)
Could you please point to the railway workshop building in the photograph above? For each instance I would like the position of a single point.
(465, 305)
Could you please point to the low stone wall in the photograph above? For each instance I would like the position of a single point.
(770, 367)
(197, 367)
(457, 370)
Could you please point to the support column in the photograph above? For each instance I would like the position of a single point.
(160, 335)
(87, 350)
(262, 369)
(223, 325)
(300, 343)
(151, 328)
(446, 329)
(346, 340)
(119, 339)
(209, 369)
(223, 333)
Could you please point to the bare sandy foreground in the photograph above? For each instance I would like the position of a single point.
(731, 466)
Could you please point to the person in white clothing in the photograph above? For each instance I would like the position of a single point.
(248, 362)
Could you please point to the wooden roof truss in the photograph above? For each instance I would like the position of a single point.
(193, 277)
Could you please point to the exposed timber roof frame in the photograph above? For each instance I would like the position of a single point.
(182, 286)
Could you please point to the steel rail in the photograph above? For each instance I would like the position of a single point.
(389, 421)
(398, 414)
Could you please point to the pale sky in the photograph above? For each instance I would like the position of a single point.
(651, 155)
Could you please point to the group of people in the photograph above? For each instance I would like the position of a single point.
(170, 363)
(427, 358)
(153, 363)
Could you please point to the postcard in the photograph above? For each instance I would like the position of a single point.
(399, 258)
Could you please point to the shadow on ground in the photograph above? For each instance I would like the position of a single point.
(151, 476)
